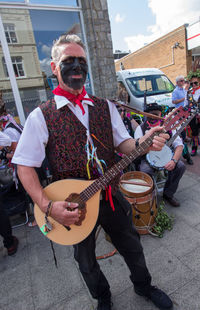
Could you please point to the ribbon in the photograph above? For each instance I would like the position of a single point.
(109, 197)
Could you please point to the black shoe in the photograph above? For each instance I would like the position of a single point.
(172, 201)
(104, 304)
(190, 161)
(13, 248)
(158, 297)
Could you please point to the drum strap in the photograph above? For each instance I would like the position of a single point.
(151, 205)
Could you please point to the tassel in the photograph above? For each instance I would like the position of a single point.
(109, 196)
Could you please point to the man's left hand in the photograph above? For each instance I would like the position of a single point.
(158, 141)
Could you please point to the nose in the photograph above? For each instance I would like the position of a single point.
(76, 65)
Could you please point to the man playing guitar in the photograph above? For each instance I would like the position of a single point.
(174, 166)
(75, 128)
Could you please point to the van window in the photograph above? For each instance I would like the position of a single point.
(122, 93)
(152, 84)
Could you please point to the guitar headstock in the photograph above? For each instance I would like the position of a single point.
(176, 117)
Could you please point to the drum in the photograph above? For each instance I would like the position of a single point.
(158, 159)
(138, 189)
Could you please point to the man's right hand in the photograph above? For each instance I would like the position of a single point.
(62, 215)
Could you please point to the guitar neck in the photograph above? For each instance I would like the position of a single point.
(172, 120)
(110, 174)
(178, 132)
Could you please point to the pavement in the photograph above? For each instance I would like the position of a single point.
(29, 280)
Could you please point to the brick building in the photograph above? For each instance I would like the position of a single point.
(170, 53)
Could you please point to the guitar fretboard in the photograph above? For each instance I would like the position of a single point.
(110, 174)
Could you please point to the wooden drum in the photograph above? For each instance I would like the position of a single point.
(138, 189)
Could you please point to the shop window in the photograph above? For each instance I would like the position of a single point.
(17, 66)
(10, 33)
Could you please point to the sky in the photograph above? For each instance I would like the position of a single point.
(136, 23)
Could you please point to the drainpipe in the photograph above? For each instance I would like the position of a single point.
(172, 63)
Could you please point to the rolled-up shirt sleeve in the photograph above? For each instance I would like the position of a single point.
(30, 149)
(120, 132)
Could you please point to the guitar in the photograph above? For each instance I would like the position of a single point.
(158, 159)
(88, 192)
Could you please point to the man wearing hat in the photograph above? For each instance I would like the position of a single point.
(175, 166)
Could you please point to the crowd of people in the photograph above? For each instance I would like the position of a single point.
(62, 128)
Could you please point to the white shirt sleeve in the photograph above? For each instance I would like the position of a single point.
(30, 150)
(138, 133)
(5, 139)
(177, 142)
(12, 133)
(120, 132)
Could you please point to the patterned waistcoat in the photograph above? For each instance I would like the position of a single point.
(66, 151)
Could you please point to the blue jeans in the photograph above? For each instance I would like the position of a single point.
(119, 226)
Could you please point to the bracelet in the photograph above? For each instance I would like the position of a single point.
(174, 160)
(137, 143)
(49, 207)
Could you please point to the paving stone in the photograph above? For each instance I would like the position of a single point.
(188, 297)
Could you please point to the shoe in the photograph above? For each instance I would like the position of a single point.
(158, 297)
(172, 201)
(105, 304)
(13, 249)
(190, 161)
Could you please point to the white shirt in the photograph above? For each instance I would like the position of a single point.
(196, 94)
(12, 133)
(177, 141)
(30, 150)
(5, 139)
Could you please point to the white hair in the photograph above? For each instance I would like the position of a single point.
(62, 40)
(179, 77)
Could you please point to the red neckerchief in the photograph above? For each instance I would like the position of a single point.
(76, 99)
(194, 90)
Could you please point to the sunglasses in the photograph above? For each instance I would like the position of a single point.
(181, 80)
(194, 83)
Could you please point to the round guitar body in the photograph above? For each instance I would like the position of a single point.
(59, 191)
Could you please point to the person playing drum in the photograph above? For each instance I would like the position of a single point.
(174, 166)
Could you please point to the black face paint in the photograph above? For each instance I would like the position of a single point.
(74, 66)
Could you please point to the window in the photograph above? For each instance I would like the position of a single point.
(151, 84)
(17, 66)
(10, 33)
(57, 2)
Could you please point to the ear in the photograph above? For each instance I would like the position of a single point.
(54, 68)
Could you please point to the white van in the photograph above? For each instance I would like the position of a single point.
(133, 83)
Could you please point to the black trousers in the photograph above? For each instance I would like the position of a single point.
(194, 125)
(119, 225)
(5, 228)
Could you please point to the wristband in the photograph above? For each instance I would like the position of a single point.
(49, 207)
(137, 143)
(174, 160)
